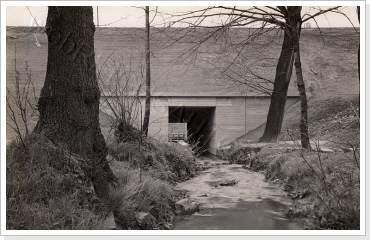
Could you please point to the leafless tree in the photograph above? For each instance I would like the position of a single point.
(147, 72)
(120, 81)
(287, 18)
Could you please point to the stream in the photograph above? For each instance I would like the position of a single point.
(251, 204)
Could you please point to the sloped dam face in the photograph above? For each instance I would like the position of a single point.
(251, 204)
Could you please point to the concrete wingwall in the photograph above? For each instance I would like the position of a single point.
(234, 116)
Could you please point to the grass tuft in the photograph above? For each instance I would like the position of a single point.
(171, 162)
(138, 191)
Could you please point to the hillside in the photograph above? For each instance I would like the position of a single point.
(330, 74)
(179, 65)
(329, 61)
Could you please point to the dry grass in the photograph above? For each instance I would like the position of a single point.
(171, 162)
(333, 119)
(42, 196)
(47, 189)
(138, 191)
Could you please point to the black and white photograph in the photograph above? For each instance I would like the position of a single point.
(181, 119)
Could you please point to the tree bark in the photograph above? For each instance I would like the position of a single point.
(147, 61)
(358, 51)
(69, 99)
(358, 60)
(275, 116)
(283, 74)
(296, 28)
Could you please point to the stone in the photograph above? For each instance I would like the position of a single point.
(144, 218)
(109, 222)
(326, 150)
(186, 206)
(168, 226)
(228, 183)
(344, 149)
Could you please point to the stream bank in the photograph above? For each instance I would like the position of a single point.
(233, 198)
(324, 182)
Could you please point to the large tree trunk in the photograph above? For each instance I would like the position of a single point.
(296, 28)
(279, 95)
(69, 100)
(147, 60)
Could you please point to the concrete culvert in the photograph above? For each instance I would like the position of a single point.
(199, 122)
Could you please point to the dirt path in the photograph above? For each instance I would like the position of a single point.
(251, 204)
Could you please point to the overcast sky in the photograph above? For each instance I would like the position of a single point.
(125, 16)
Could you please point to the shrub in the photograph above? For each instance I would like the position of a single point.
(336, 187)
(145, 170)
(166, 161)
(239, 154)
(137, 192)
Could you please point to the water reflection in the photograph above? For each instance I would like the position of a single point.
(266, 214)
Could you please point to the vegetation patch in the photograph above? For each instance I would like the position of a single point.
(171, 162)
(324, 182)
(332, 119)
(324, 186)
(47, 189)
(141, 201)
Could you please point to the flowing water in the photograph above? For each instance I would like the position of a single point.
(251, 204)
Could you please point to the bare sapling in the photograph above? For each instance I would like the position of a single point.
(21, 102)
(120, 83)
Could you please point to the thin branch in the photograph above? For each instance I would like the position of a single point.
(122, 18)
(319, 13)
(34, 19)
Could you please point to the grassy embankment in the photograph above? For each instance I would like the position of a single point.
(325, 185)
(48, 189)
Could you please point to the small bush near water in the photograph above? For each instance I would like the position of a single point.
(146, 171)
(139, 193)
(171, 162)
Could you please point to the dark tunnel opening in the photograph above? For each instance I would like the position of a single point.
(199, 122)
